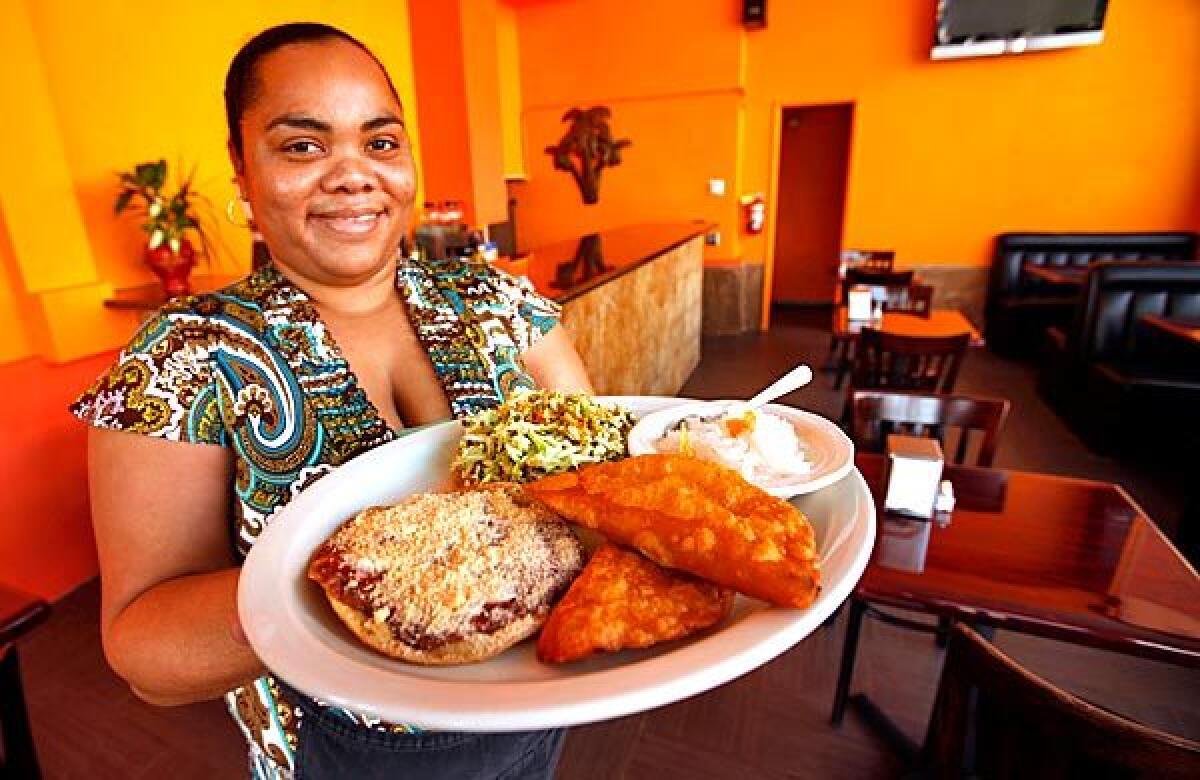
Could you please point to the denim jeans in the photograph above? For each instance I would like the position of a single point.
(331, 747)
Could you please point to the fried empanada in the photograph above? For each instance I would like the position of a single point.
(690, 514)
(622, 600)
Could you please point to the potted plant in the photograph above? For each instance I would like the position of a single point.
(168, 220)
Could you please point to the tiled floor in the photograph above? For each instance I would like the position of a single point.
(772, 723)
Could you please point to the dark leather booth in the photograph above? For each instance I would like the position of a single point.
(1019, 307)
(1103, 373)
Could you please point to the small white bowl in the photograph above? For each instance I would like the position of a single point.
(825, 445)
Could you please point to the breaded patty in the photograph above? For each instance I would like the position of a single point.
(448, 578)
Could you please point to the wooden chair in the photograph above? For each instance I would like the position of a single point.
(1025, 727)
(916, 299)
(19, 613)
(920, 363)
(874, 414)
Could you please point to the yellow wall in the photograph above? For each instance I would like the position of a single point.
(508, 68)
(15, 343)
(108, 84)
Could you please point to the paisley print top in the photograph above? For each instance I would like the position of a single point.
(253, 368)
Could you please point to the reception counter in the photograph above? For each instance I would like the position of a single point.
(632, 302)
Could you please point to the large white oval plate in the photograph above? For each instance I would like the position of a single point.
(827, 448)
(293, 630)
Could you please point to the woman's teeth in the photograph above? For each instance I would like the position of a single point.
(353, 225)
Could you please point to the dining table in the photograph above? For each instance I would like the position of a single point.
(1068, 559)
(939, 322)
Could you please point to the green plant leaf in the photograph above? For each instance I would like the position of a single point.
(144, 174)
(122, 201)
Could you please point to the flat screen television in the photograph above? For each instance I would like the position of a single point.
(973, 28)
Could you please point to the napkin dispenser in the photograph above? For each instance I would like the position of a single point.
(858, 302)
(914, 475)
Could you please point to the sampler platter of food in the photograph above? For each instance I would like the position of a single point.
(522, 569)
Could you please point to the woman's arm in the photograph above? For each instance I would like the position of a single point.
(161, 513)
(555, 365)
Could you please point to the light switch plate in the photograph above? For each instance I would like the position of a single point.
(716, 186)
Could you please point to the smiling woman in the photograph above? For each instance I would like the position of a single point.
(322, 157)
(245, 396)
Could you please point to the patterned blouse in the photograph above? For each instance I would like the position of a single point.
(253, 368)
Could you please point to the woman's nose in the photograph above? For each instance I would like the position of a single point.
(349, 175)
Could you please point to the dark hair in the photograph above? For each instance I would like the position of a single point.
(241, 84)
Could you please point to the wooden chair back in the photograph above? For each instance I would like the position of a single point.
(906, 298)
(888, 278)
(1024, 727)
(889, 361)
(917, 299)
(877, 260)
(954, 420)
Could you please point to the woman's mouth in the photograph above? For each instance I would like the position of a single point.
(350, 223)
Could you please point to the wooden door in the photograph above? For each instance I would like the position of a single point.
(814, 156)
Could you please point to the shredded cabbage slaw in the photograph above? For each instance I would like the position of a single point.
(539, 433)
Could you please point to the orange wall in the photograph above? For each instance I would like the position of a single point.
(441, 89)
(481, 63)
(459, 63)
(663, 176)
(46, 542)
(945, 154)
(669, 72)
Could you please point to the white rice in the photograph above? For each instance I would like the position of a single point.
(768, 452)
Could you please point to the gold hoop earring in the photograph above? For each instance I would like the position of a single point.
(231, 214)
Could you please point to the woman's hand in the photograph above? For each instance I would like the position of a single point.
(161, 513)
(555, 365)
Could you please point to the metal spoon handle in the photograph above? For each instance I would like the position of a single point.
(793, 380)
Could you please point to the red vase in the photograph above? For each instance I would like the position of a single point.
(172, 268)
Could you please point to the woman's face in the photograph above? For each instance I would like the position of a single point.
(326, 164)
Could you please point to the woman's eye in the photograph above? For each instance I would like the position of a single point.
(301, 147)
(383, 144)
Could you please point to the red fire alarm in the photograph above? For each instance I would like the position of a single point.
(754, 212)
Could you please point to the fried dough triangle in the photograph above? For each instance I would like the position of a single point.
(621, 600)
(700, 517)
